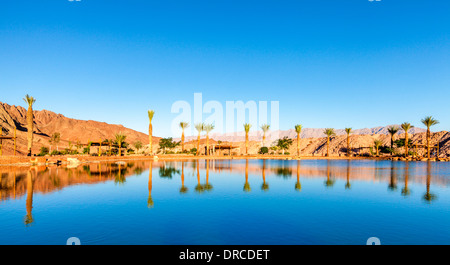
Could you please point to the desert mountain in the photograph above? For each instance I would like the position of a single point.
(46, 123)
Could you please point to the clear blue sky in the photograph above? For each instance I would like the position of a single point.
(330, 63)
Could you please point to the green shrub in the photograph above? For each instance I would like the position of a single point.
(263, 150)
(44, 151)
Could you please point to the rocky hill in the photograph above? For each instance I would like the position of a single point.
(47, 122)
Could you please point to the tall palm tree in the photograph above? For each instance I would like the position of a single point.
(392, 131)
(120, 139)
(329, 132)
(377, 144)
(298, 130)
(265, 128)
(30, 120)
(348, 131)
(247, 127)
(199, 127)
(429, 121)
(208, 128)
(183, 126)
(151, 113)
(406, 127)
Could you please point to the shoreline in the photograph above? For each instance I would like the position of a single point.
(85, 159)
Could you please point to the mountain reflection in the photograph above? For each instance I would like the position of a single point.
(26, 182)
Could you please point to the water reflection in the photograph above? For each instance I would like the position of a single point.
(429, 197)
(150, 203)
(17, 183)
(298, 186)
(247, 187)
(183, 188)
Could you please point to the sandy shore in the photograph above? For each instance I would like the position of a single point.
(51, 160)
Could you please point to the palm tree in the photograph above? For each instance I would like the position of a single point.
(55, 139)
(406, 127)
(120, 139)
(199, 127)
(150, 129)
(137, 145)
(183, 126)
(30, 120)
(429, 121)
(329, 132)
(392, 131)
(246, 185)
(265, 128)
(207, 128)
(377, 144)
(348, 131)
(298, 130)
(247, 127)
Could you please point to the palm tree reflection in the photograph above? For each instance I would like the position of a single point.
(150, 203)
(198, 187)
(207, 186)
(183, 188)
(264, 186)
(298, 186)
(347, 184)
(406, 191)
(29, 202)
(429, 197)
(246, 185)
(329, 182)
(393, 180)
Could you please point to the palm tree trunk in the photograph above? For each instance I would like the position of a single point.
(328, 146)
(182, 141)
(246, 143)
(298, 144)
(348, 145)
(207, 144)
(264, 139)
(30, 129)
(150, 137)
(406, 144)
(198, 144)
(428, 143)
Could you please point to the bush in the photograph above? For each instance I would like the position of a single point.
(193, 150)
(55, 153)
(263, 150)
(44, 151)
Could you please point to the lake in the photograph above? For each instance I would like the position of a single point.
(227, 202)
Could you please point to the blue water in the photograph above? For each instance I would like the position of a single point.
(114, 208)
